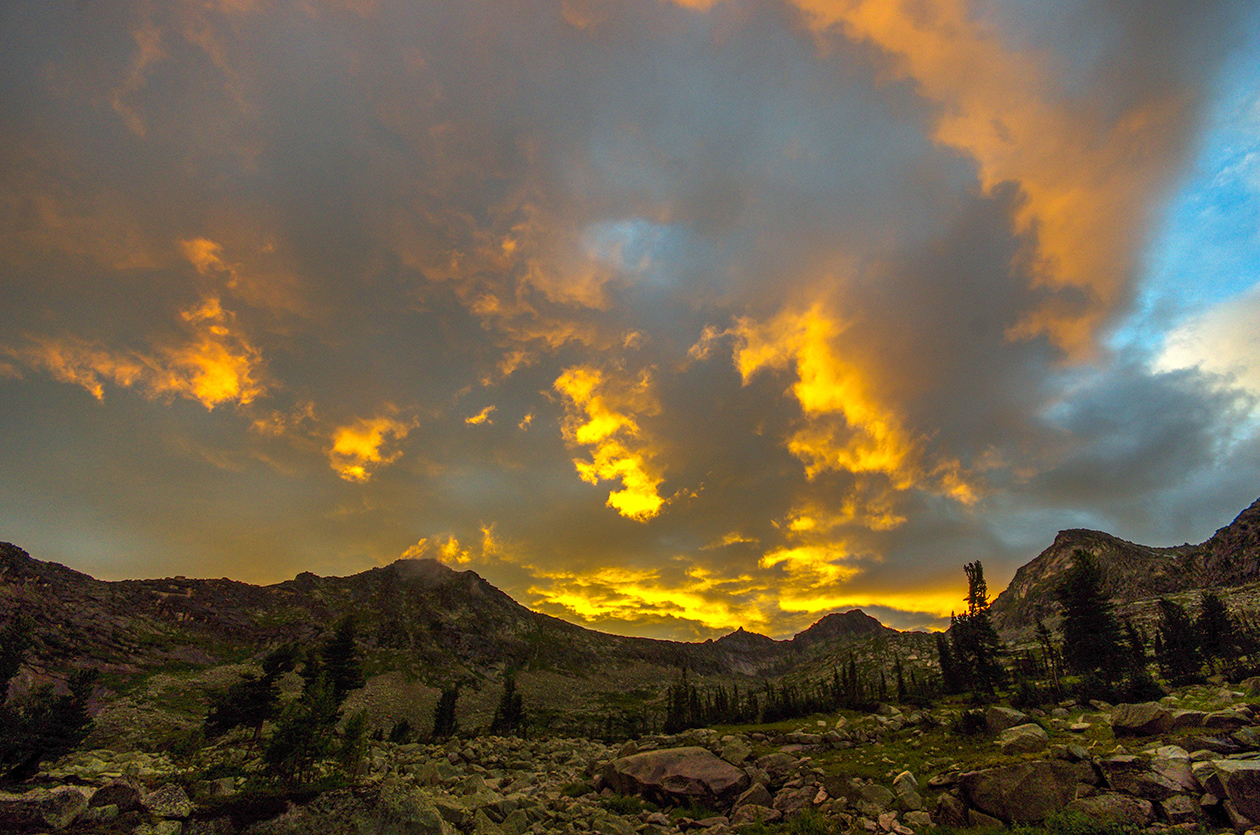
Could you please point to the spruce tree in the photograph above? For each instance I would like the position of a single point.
(509, 716)
(976, 647)
(444, 723)
(1215, 627)
(1180, 660)
(1091, 635)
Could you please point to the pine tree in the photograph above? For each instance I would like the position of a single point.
(976, 647)
(341, 659)
(1091, 636)
(1216, 628)
(1180, 660)
(509, 716)
(444, 724)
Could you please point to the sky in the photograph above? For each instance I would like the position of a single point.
(667, 317)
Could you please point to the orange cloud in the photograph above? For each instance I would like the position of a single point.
(216, 365)
(847, 426)
(637, 595)
(362, 447)
(1085, 176)
(482, 417)
(600, 415)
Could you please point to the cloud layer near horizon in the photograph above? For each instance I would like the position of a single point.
(665, 317)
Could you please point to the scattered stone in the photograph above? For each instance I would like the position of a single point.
(1240, 780)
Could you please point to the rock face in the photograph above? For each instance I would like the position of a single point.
(678, 774)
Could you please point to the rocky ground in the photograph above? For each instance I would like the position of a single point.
(1190, 762)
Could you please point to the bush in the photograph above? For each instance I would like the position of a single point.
(626, 805)
(969, 723)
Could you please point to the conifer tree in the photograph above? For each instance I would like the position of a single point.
(976, 647)
(1180, 659)
(509, 716)
(1216, 628)
(42, 725)
(444, 724)
(1091, 635)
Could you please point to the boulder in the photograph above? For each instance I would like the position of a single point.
(1180, 808)
(1154, 779)
(753, 813)
(906, 788)
(998, 719)
(168, 801)
(735, 751)
(1110, 808)
(1025, 792)
(124, 794)
(41, 809)
(757, 795)
(1023, 739)
(676, 774)
(1188, 718)
(1240, 780)
(1141, 719)
(950, 811)
(1227, 720)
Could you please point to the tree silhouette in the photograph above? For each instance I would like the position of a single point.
(1091, 635)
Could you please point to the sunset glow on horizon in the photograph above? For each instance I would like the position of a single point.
(666, 317)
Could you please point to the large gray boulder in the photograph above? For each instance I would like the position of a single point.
(676, 774)
(1154, 779)
(1115, 809)
(1023, 739)
(1241, 781)
(998, 718)
(1026, 792)
(168, 801)
(1141, 719)
(39, 810)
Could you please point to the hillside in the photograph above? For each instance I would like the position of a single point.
(1132, 573)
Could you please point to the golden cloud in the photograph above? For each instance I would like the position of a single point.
(599, 413)
(482, 417)
(365, 445)
(1084, 176)
(847, 426)
(216, 365)
(637, 595)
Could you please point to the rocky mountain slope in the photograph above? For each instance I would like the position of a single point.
(421, 624)
(1230, 558)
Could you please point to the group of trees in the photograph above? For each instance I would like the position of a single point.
(305, 730)
(1109, 655)
(42, 724)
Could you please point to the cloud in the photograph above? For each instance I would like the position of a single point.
(1087, 173)
(362, 447)
(1223, 340)
(482, 417)
(600, 414)
(214, 364)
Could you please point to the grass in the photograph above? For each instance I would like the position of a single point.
(627, 805)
